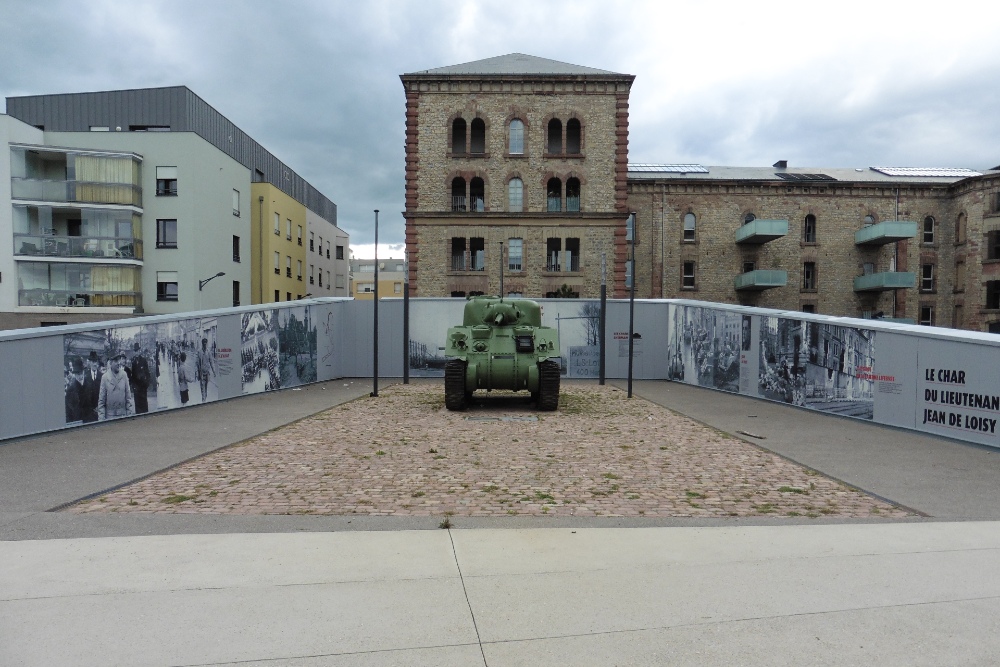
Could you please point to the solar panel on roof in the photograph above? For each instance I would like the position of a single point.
(668, 168)
(925, 171)
(803, 177)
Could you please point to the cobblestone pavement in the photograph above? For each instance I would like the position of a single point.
(403, 453)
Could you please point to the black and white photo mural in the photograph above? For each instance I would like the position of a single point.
(430, 320)
(259, 351)
(296, 346)
(704, 346)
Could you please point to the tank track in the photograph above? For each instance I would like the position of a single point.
(548, 385)
(455, 396)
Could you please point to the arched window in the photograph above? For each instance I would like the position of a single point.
(690, 222)
(869, 220)
(928, 230)
(458, 136)
(554, 137)
(748, 218)
(477, 195)
(572, 194)
(553, 194)
(458, 194)
(516, 137)
(477, 142)
(809, 229)
(960, 228)
(573, 136)
(515, 195)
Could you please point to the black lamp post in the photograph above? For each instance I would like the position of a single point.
(375, 346)
(202, 283)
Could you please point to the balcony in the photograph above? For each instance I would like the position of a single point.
(884, 233)
(125, 194)
(761, 279)
(886, 280)
(105, 247)
(759, 232)
(52, 298)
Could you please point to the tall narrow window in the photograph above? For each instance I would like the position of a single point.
(236, 293)
(960, 228)
(277, 224)
(477, 140)
(572, 255)
(553, 195)
(340, 252)
(477, 195)
(236, 203)
(553, 249)
(312, 241)
(277, 263)
(515, 248)
(993, 245)
(515, 195)
(928, 230)
(516, 137)
(993, 294)
(809, 275)
(690, 225)
(573, 194)
(960, 276)
(299, 267)
(458, 194)
(926, 315)
(927, 278)
(554, 137)
(458, 253)
(288, 229)
(688, 275)
(288, 266)
(236, 248)
(477, 254)
(300, 235)
(312, 274)
(458, 136)
(573, 136)
(809, 229)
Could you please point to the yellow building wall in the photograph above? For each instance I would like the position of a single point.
(389, 286)
(289, 242)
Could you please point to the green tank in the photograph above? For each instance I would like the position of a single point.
(502, 345)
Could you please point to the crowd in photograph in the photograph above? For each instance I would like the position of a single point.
(259, 359)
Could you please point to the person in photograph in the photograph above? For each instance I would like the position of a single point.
(183, 377)
(140, 379)
(746, 333)
(75, 397)
(205, 367)
(116, 398)
(91, 387)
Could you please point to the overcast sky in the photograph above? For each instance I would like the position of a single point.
(842, 84)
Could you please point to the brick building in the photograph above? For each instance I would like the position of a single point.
(530, 156)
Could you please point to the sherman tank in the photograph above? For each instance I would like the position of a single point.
(501, 345)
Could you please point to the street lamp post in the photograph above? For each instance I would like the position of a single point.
(631, 297)
(202, 283)
(375, 346)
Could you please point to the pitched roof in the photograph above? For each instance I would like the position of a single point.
(516, 63)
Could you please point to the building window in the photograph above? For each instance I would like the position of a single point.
(993, 294)
(458, 136)
(477, 138)
(993, 245)
(312, 241)
(809, 229)
(553, 143)
(957, 317)
(397, 288)
(515, 248)
(166, 181)
(553, 248)
(926, 315)
(236, 248)
(868, 268)
(688, 275)
(328, 280)
(166, 233)
(288, 296)
(288, 266)
(553, 195)
(458, 194)
(236, 293)
(277, 224)
(748, 218)
(277, 263)
(690, 225)
(457, 294)
(477, 253)
(515, 195)
(960, 276)
(928, 237)
(573, 136)
(321, 277)
(340, 281)
(573, 194)
(809, 308)
(458, 253)
(312, 274)
(328, 250)
(749, 267)
(288, 229)
(299, 269)
(927, 278)
(300, 234)
(516, 137)
(960, 229)
(477, 195)
(166, 286)
(572, 259)
(340, 252)
(277, 296)
(809, 275)
(869, 220)
(236, 203)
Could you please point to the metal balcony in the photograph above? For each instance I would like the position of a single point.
(886, 280)
(884, 233)
(755, 281)
(761, 231)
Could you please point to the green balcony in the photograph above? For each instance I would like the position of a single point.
(761, 231)
(887, 280)
(755, 281)
(885, 232)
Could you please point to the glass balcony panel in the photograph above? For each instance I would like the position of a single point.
(761, 279)
(885, 280)
(78, 246)
(68, 284)
(761, 231)
(458, 262)
(573, 204)
(76, 191)
(884, 233)
(554, 204)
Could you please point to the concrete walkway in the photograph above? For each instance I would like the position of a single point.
(186, 590)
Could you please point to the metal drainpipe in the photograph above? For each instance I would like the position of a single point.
(895, 256)
(663, 233)
(260, 230)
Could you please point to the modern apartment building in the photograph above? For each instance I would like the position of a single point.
(391, 278)
(135, 201)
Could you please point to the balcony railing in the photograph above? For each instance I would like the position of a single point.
(78, 298)
(104, 247)
(554, 204)
(458, 262)
(761, 279)
(76, 191)
(884, 233)
(458, 204)
(573, 204)
(886, 280)
(761, 231)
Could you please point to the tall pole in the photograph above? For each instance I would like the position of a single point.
(604, 312)
(631, 297)
(375, 346)
(501, 270)
(406, 317)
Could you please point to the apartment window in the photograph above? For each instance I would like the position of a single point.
(277, 296)
(993, 294)
(688, 275)
(809, 229)
(458, 253)
(868, 268)
(166, 286)
(809, 308)
(927, 278)
(312, 274)
(926, 315)
(277, 263)
(553, 248)
(553, 195)
(321, 277)
(397, 288)
(300, 235)
(477, 137)
(960, 276)
(340, 252)
(477, 254)
(288, 266)
(312, 241)
(573, 136)
(236, 203)
(515, 248)
(299, 269)
(166, 233)
(690, 226)
(288, 229)
(572, 260)
(993, 245)
(516, 137)
(236, 248)
(515, 195)
(573, 194)
(321, 245)
(277, 224)
(477, 195)
(809, 275)
(458, 136)
(340, 281)
(554, 137)
(328, 250)
(166, 181)
(749, 266)
(288, 296)
(960, 228)
(928, 237)
(458, 194)
(236, 293)
(328, 280)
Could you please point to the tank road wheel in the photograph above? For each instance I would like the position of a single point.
(455, 396)
(548, 385)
